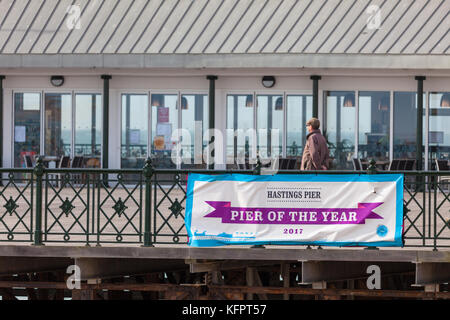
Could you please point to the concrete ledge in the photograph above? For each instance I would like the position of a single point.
(278, 254)
(185, 61)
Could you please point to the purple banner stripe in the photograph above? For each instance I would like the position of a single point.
(319, 216)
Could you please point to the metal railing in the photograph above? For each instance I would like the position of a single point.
(147, 206)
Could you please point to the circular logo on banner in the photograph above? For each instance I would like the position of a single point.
(382, 230)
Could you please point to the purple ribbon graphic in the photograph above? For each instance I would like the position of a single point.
(229, 214)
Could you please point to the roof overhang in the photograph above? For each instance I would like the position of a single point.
(195, 61)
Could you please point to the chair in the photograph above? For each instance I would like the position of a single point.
(357, 164)
(28, 161)
(401, 165)
(409, 166)
(363, 165)
(241, 166)
(393, 166)
(95, 163)
(442, 165)
(64, 162)
(291, 164)
(283, 163)
(77, 162)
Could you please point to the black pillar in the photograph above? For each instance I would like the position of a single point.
(105, 128)
(315, 80)
(212, 108)
(1, 120)
(419, 136)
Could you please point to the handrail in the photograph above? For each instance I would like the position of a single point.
(146, 206)
(218, 171)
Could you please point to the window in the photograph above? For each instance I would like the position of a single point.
(58, 125)
(374, 125)
(88, 127)
(164, 123)
(263, 125)
(439, 126)
(270, 119)
(299, 111)
(339, 129)
(174, 122)
(27, 128)
(240, 118)
(65, 132)
(194, 123)
(134, 130)
(405, 125)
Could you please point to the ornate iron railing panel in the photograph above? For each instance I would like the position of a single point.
(119, 208)
(67, 207)
(16, 206)
(169, 207)
(147, 206)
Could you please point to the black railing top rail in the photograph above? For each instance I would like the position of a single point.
(220, 171)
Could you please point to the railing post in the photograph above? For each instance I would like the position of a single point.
(39, 172)
(257, 171)
(148, 173)
(372, 169)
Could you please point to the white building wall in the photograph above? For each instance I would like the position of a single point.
(236, 80)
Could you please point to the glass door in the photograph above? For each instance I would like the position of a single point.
(164, 124)
(57, 127)
(405, 125)
(27, 128)
(134, 133)
(339, 129)
(270, 123)
(194, 124)
(374, 126)
(439, 130)
(240, 138)
(299, 111)
(88, 128)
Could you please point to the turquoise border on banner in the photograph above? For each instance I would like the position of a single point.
(398, 178)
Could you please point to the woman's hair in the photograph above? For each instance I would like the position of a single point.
(314, 122)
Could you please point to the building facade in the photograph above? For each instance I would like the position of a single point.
(112, 81)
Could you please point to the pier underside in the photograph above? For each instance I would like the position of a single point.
(285, 273)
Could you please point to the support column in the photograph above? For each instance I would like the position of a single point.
(419, 136)
(105, 127)
(1, 121)
(315, 80)
(212, 108)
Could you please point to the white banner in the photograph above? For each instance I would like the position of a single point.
(325, 209)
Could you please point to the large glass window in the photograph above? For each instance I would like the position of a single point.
(373, 136)
(88, 128)
(270, 125)
(134, 130)
(340, 127)
(439, 126)
(164, 123)
(27, 128)
(194, 122)
(240, 119)
(405, 124)
(58, 124)
(299, 110)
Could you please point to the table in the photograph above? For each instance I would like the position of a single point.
(382, 164)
